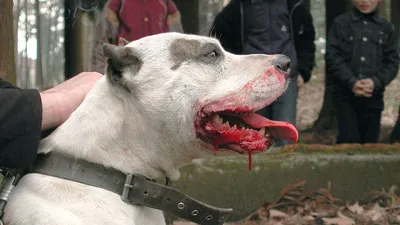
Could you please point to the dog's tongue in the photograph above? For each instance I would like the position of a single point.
(281, 130)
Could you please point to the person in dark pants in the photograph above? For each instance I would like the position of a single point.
(395, 136)
(271, 27)
(362, 56)
(25, 113)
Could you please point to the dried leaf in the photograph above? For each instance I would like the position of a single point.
(277, 215)
(356, 208)
(295, 188)
(340, 220)
(321, 207)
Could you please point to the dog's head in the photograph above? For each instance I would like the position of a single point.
(198, 98)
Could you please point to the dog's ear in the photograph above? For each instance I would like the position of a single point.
(118, 59)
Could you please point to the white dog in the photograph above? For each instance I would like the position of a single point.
(165, 100)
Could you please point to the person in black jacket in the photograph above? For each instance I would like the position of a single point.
(362, 56)
(395, 135)
(25, 113)
(271, 27)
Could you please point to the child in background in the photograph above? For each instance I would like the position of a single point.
(362, 56)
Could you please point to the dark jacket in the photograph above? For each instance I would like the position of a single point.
(229, 28)
(395, 136)
(20, 125)
(362, 46)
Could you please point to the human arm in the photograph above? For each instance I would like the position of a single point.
(25, 113)
(335, 58)
(304, 37)
(112, 10)
(174, 18)
(60, 101)
(20, 123)
(390, 62)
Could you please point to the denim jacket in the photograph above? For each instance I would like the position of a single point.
(362, 46)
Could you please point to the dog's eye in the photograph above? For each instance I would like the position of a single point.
(212, 54)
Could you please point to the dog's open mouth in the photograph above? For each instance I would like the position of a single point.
(243, 130)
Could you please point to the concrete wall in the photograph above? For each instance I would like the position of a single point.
(227, 182)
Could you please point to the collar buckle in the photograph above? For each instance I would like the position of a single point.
(127, 188)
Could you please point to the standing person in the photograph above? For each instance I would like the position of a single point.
(362, 56)
(395, 135)
(139, 18)
(271, 27)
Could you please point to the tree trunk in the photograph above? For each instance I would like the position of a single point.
(39, 71)
(16, 13)
(27, 62)
(73, 40)
(7, 54)
(394, 14)
(327, 116)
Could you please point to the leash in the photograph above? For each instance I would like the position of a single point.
(10, 180)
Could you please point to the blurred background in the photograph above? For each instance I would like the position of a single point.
(44, 42)
(65, 33)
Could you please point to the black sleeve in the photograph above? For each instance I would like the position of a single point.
(304, 37)
(335, 59)
(223, 29)
(20, 126)
(390, 63)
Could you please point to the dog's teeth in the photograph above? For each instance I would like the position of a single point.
(242, 128)
(227, 124)
(234, 126)
(268, 135)
(218, 119)
(262, 131)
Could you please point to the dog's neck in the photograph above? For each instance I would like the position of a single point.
(120, 139)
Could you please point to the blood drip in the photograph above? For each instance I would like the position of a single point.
(250, 161)
(216, 146)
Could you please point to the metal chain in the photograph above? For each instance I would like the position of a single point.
(10, 180)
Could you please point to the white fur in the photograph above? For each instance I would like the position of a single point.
(149, 131)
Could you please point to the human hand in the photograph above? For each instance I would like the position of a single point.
(60, 101)
(368, 85)
(112, 17)
(361, 89)
(174, 22)
(122, 42)
(300, 81)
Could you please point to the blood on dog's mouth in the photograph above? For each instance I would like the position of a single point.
(243, 131)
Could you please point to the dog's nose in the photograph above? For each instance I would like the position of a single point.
(282, 63)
